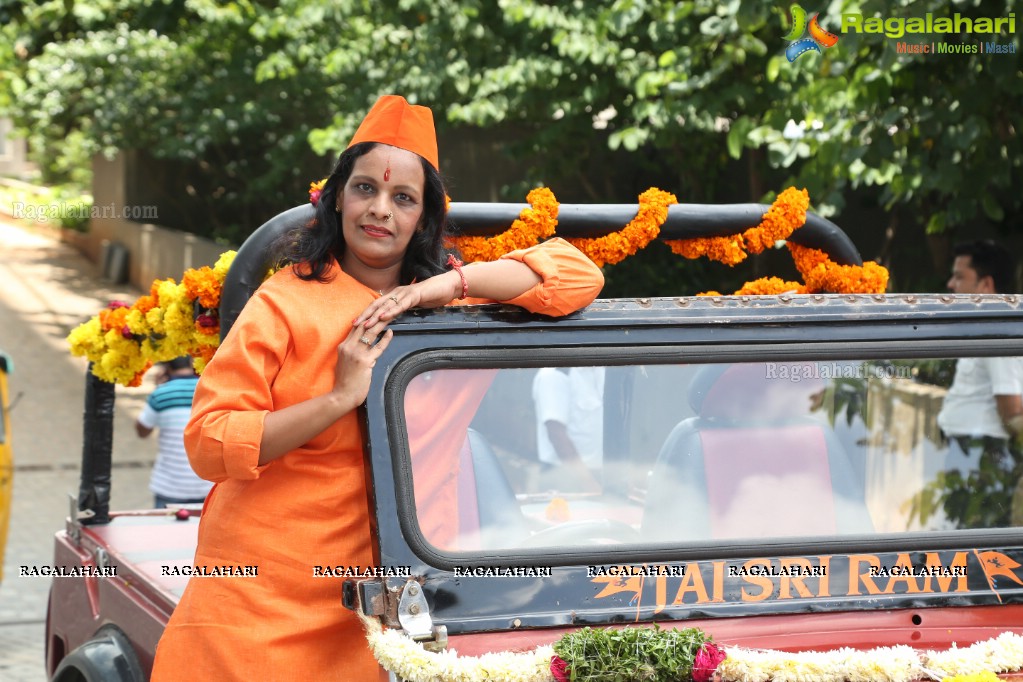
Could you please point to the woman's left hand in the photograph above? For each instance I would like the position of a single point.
(434, 292)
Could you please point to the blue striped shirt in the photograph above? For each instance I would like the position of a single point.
(168, 408)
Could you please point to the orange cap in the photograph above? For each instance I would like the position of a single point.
(394, 121)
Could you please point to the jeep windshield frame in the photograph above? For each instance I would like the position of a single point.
(619, 333)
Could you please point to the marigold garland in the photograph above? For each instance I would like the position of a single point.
(822, 274)
(534, 224)
(770, 286)
(786, 214)
(640, 231)
(727, 250)
(123, 341)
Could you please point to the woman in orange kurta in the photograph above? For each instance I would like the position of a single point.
(274, 421)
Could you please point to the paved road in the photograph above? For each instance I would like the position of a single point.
(46, 289)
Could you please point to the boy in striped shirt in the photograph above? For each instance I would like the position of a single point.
(168, 408)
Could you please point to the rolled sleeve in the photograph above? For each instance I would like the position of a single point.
(222, 446)
(233, 396)
(569, 280)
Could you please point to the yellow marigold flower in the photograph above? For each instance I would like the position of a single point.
(223, 264)
(86, 340)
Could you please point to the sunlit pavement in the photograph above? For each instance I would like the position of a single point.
(46, 289)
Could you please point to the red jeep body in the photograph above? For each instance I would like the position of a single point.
(675, 369)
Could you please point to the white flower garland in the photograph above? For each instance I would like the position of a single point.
(407, 659)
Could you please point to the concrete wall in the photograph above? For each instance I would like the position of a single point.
(154, 252)
(13, 153)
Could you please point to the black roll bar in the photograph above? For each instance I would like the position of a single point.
(684, 221)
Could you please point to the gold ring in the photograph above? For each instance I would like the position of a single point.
(393, 298)
(366, 340)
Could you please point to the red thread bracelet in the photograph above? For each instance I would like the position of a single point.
(457, 266)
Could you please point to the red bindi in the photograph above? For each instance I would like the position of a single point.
(387, 174)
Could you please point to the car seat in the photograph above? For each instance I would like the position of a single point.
(754, 462)
(489, 513)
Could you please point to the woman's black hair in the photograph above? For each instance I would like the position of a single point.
(315, 245)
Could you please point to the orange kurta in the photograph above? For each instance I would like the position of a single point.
(308, 508)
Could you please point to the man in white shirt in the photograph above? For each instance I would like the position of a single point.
(983, 409)
(569, 405)
(984, 399)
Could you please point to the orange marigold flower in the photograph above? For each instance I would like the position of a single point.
(113, 318)
(727, 250)
(557, 511)
(315, 190)
(144, 304)
(202, 284)
(534, 224)
(770, 286)
(204, 354)
(136, 380)
(822, 274)
(641, 230)
(787, 213)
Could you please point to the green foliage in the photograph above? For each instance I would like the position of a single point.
(934, 132)
(176, 79)
(630, 654)
(598, 100)
(981, 498)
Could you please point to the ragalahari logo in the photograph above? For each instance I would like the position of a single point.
(818, 36)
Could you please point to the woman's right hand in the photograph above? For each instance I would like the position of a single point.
(356, 357)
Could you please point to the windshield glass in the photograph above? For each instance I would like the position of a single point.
(504, 459)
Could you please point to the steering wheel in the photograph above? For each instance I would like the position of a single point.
(586, 533)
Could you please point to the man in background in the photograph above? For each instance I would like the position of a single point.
(569, 403)
(983, 410)
(168, 408)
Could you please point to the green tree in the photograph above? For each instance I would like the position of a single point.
(934, 136)
(175, 79)
(599, 100)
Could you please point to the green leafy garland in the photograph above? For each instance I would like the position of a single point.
(630, 654)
